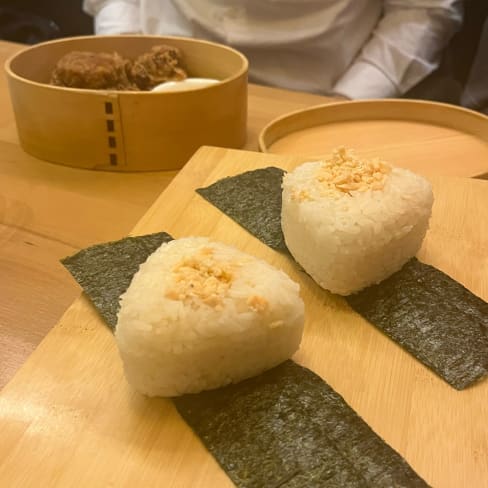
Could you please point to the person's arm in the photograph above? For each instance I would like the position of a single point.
(114, 16)
(403, 49)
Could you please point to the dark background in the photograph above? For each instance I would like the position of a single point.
(32, 21)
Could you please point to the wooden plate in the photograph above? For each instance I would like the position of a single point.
(68, 418)
(427, 137)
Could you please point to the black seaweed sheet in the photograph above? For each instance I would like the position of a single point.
(105, 271)
(253, 200)
(283, 429)
(433, 317)
(287, 428)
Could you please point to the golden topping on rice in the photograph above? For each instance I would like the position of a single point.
(201, 278)
(300, 195)
(258, 303)
(345, 172)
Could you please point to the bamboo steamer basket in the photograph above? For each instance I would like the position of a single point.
(124, 130)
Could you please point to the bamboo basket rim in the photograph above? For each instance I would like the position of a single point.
(10, 72)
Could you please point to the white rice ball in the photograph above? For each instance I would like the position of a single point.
(199, 315)
(351, 223)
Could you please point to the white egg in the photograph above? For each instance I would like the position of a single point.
(183, 85)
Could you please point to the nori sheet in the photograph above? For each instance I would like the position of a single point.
(287, 428)
(253, 200)
(283, 429)
(105, 271)
(434, 318)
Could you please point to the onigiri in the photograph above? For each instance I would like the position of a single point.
(352, 222)
(199, 315)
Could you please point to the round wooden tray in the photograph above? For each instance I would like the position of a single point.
(426, 137)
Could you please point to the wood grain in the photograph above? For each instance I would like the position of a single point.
(69, 415)
(151, 131)
(68, 208)
(409, 133)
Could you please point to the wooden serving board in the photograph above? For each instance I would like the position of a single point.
(68, 418)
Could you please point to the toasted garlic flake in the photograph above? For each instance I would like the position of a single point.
(201, 278)
(258, 303)
(345, 172)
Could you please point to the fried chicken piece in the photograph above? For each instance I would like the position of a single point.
(97, 71)
(162, 63)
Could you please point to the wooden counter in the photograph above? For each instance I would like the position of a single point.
(69, 418)
(49, 211)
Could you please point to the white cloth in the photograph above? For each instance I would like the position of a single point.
(355, 48)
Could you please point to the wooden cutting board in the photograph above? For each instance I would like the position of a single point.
(68, 418)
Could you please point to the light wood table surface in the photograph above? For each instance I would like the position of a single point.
(49, 211)
(69, 418)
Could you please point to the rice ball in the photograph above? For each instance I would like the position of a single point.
(351, 223)
(199, 315)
